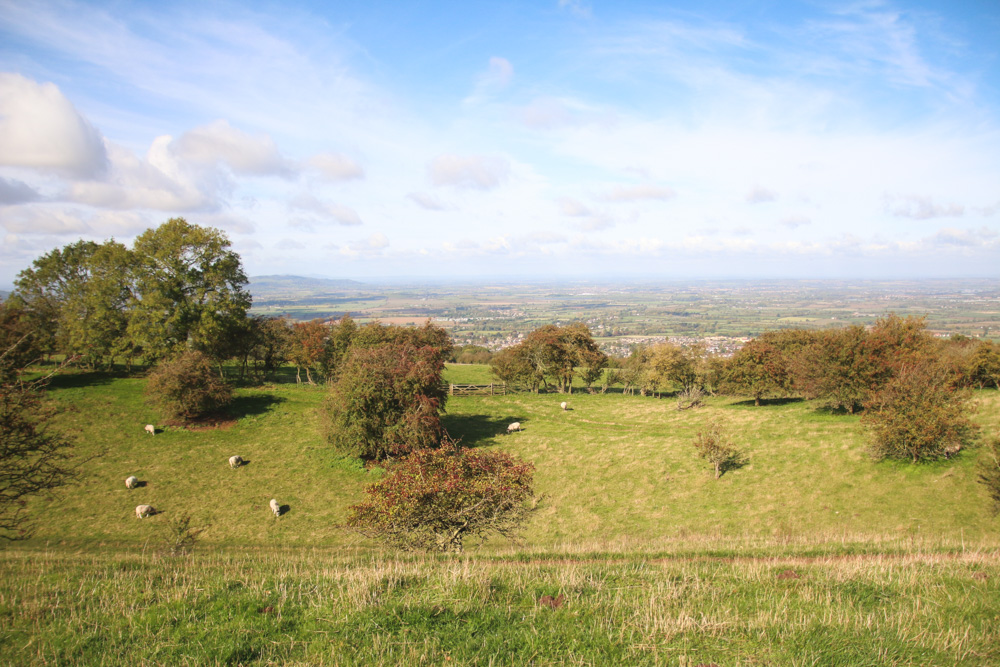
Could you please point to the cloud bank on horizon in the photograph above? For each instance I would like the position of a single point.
(568, 138)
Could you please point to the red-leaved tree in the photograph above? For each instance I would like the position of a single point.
(436, 498)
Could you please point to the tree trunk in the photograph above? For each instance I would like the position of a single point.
(756, 401)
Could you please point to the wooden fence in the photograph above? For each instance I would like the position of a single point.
(498, 389)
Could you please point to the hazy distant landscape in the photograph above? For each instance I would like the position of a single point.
(620, 315)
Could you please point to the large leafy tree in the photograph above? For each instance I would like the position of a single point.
(190, 288)
(551, 354)
(437, 498)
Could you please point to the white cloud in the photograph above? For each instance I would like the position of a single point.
(965, 238)
(469, 171)
(573, 208)
(336, 167)
(289, 244)
(922, 208)
(638, 192)
(429, 202)
(760, 195)
(374, 245)
(41, 129)
(42, 219)
(245, 154)
(160, 182)
(491, 82)
(795, 221)
(327, 211)
(577, 7)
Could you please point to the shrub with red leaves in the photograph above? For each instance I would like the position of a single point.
(436, 498)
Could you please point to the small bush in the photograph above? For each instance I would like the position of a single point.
(186, 387)
(180, 536)
(435, 498)
(714, 444)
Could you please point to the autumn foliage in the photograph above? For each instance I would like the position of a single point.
(387, 401)
(435, 499)
(186, 387)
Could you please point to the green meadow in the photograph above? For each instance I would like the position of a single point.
(809, 554)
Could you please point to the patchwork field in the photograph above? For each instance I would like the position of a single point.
(809, 554)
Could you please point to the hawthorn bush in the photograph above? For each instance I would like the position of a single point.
(186, 387)
(918, 415)
(436, 498)
(387, 401)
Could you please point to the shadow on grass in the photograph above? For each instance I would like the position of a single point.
(476, 430)
(764, 402)
(738, 461)
(78, 380)
(245, 406)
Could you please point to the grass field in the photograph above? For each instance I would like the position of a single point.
(810, 554)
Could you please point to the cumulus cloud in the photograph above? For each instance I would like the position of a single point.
(795, 221)
(245, 154)
(13, 191)
(289, 244)
(429, 202)
(40, 219)
(41, 129)
(374, 245)
(335, 167)
(922, 208)
(637, 192)
(573, 208)
(760, 195)
(327, 211)
(160, 181)
(966, 238)
(476, 172)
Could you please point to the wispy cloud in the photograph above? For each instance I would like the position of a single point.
(477, 172)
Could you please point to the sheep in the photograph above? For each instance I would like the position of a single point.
(235, 461)
(131, 482)
(516, 426)
(564, 405)
(275, 507)
(142, 511)
(150, 429)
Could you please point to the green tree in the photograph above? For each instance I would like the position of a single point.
(185, 387)
(918, 415)
(984, 366)
(387, 401)
(512, 366)
(671, 365)
(190, 289)
(308, 347)
(436, 499)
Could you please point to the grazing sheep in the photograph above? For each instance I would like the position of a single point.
(235, 461)
(142, 511)
(150, 429)
(275, 507)
(952, 450)
(516, 426)
(564, 405)
(131, 482)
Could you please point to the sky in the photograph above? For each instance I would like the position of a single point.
(546, 139)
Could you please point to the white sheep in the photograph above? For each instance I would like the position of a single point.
(275, 507)
(564, 405)
(131, 482)
(516, 426)
(235, 461)
(142, 511)
(150, 429)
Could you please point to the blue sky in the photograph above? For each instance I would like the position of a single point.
(516, 139)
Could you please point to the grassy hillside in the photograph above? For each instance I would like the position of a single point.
(810, 555)
(612, 467)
